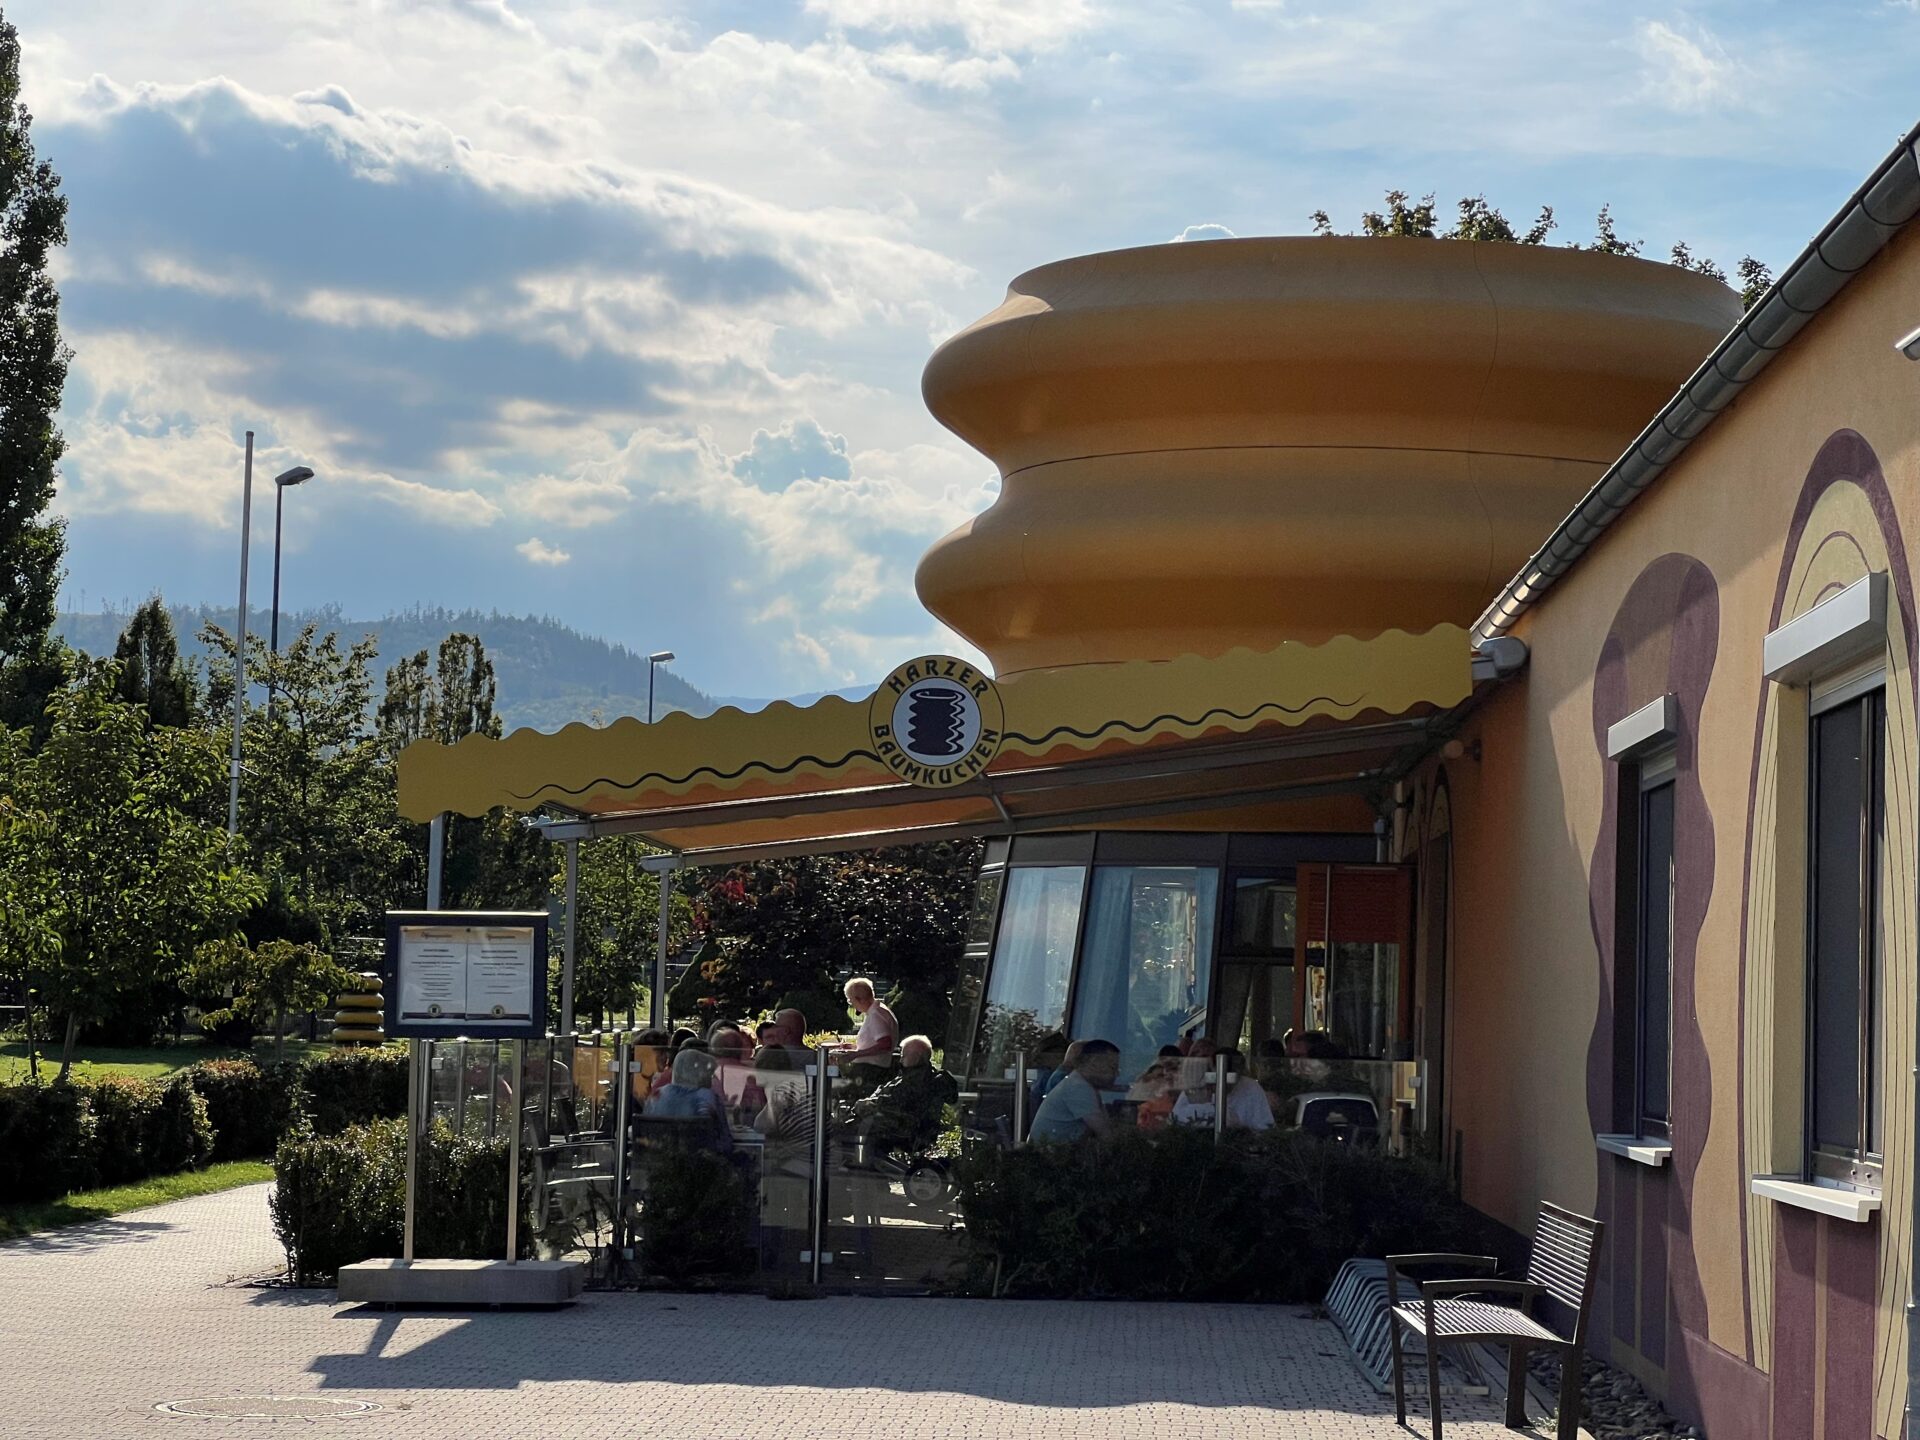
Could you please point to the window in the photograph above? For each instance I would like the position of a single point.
(1147, 958)
(1032, 962)
(1255, 1005)
(1846, 809)
(1653, 951)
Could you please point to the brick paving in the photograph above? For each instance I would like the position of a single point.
(101, 1323)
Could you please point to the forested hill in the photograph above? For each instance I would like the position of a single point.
(549, 673)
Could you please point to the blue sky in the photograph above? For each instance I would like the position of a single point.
(617, 311)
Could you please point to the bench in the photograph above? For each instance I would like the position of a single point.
(1561, 1269)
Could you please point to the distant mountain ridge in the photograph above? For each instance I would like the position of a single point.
(549, 673)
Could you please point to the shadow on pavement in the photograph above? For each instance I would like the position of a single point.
(1033, 1353)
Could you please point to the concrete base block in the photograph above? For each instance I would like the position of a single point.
(462, 1282)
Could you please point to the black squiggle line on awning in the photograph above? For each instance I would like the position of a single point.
(1201, 719)
(640, 780)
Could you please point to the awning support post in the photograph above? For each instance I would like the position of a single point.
(569, 933)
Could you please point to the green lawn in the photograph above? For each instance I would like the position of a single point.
(145, 1061)
(85, 1205)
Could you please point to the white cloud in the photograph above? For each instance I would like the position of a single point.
(1012, 26)
(1687, 71)
(540, 553)
(1204, 232)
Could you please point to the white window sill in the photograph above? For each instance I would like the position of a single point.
(1839, 1202)
(1632, 1147)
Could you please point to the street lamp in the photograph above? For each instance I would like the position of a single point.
(658, 658)
(298, 475)
(291, 477)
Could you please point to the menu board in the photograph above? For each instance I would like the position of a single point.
(467, 974)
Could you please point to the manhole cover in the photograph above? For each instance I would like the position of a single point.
(269, 1407)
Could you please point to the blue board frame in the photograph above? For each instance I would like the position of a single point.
(534, 1027)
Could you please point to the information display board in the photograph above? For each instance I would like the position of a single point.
(481, 974)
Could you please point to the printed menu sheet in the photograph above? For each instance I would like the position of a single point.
(454, 973)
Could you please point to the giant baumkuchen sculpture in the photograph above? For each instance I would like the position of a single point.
(1240, 442)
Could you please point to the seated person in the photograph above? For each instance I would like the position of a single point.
(1247, 1105)
(1156, 1090)
(689, 1096)
(1194, 1104)
(904, 1113)
(1072, 1109)
(1046, 1056)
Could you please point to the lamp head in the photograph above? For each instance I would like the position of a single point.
(1909, 345)
(295, 476)
(660, 657)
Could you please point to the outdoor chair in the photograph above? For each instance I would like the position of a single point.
(1561, 1269)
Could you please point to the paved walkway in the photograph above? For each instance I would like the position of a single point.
(102, 1323)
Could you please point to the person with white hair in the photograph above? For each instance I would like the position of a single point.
(905, 1112)
(871, 1054)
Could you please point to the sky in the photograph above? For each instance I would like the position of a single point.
(616, 312)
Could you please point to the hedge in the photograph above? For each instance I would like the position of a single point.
(341, 1198)
(107, 1131)
(1173, 1215)
(111, 1130)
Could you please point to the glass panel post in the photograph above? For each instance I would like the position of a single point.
(1019, 1098)
(513, 1173)
(822, 1100)
(623, 1080)
(1219, 1078)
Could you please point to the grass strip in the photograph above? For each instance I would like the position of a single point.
(85, 1205)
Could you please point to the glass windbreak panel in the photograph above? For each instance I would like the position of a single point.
(1032, 962)
(1263, 917)
(1362, 999)
(1254, 1010)
(1147, 957)
(1838, 857)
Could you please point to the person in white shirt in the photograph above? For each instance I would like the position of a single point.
(879, 1032)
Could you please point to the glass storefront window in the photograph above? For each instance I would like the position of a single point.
(1254, 1008)
(1147, 958)
(1263, 913)
(1363, 999)
(1032, 962)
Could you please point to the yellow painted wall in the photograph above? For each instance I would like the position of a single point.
(1526, 816)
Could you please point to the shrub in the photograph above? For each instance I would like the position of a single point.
(248, 1104)
(47, 1141)
(352, 1087)
(124, 1111)
(341, 1198)
(145, 1127)
(1175, 1215)
(696, 1219)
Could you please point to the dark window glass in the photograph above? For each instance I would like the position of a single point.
(1263, 911)
(1032, 962)
(1654, 981)
(1847, 814)
(1147, 958)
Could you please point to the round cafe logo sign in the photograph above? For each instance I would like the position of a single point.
(936, 721)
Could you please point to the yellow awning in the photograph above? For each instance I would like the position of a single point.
(843, 768)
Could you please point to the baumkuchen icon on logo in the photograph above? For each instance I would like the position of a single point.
(937, 721)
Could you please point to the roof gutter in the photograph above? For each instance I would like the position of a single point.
(1887, 201)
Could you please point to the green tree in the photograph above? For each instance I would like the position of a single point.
(1684, 259)
(493, 861)
(1755, 280)
(618, 933)
(152, 675)
(29, 942)
(33, 370)
(781, 927)
(1607, 240)
(128, 867)
(317, 800)
(266, 982)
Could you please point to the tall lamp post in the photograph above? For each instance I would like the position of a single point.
(298, 475)
(291, 477)
(655, 660)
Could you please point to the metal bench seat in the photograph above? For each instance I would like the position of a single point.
(1562, 1267)
(1475, 1320)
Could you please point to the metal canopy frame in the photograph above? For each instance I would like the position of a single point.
(1013, 792)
